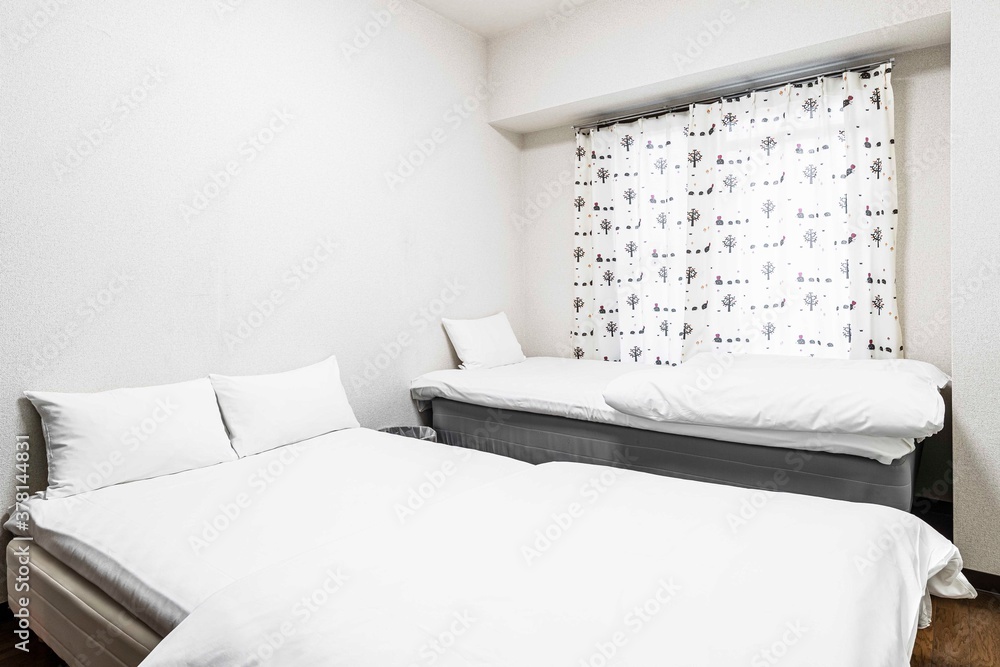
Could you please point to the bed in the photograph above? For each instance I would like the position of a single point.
(256, 521)
(371, 548)
(127, 563)
(553, 409)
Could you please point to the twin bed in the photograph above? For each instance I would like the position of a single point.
(552, 409)
(354, 547)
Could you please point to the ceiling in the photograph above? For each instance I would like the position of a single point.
(493, 17)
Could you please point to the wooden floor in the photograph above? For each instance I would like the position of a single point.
(965, 633)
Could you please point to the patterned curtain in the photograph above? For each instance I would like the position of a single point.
(763, 223)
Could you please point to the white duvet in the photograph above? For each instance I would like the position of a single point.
(884, 398)
(575, 389)
(160, 547)
(578, 565)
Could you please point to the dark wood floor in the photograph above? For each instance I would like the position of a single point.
(965, 633)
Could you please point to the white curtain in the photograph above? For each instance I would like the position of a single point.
(764, 223)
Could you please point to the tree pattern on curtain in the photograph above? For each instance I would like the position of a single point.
(762, 223)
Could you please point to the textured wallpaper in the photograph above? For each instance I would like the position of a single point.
(976, 308)
(188, 189)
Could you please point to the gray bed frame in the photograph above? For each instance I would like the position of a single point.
(537, 438)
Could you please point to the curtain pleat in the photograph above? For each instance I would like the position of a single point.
(763, 223)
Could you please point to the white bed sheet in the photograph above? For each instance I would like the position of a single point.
(575, 389)
(571, 564)
(134, 540)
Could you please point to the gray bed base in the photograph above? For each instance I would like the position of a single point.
(81, 623)
(537, 438)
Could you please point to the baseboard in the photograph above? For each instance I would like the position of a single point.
(983, 582)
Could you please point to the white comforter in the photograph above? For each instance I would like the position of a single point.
(575, 389)
(577, 565)
(160, 547)
(888, 398)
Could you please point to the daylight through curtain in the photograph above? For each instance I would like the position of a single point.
(764, 223)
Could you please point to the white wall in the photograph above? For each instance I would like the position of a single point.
(546, 223)
(441, 236)
(610, 55)
(921, 82)
(976, 307)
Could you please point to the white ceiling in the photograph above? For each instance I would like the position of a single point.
(493, 17)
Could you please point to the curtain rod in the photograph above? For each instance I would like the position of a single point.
(761, 86)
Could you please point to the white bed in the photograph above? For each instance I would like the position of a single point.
(139, 541)
(512, 564)
(575, 389)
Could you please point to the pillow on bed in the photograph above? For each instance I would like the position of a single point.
(267, 411)
(484, 343)
(897, 398)
(110, 437)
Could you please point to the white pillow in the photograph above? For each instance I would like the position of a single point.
(267, 411)
(109, 437)
(897, 398)
(484, 343)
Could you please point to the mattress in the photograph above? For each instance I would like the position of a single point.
(574, 388)
(160, 547)
(538, 439)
